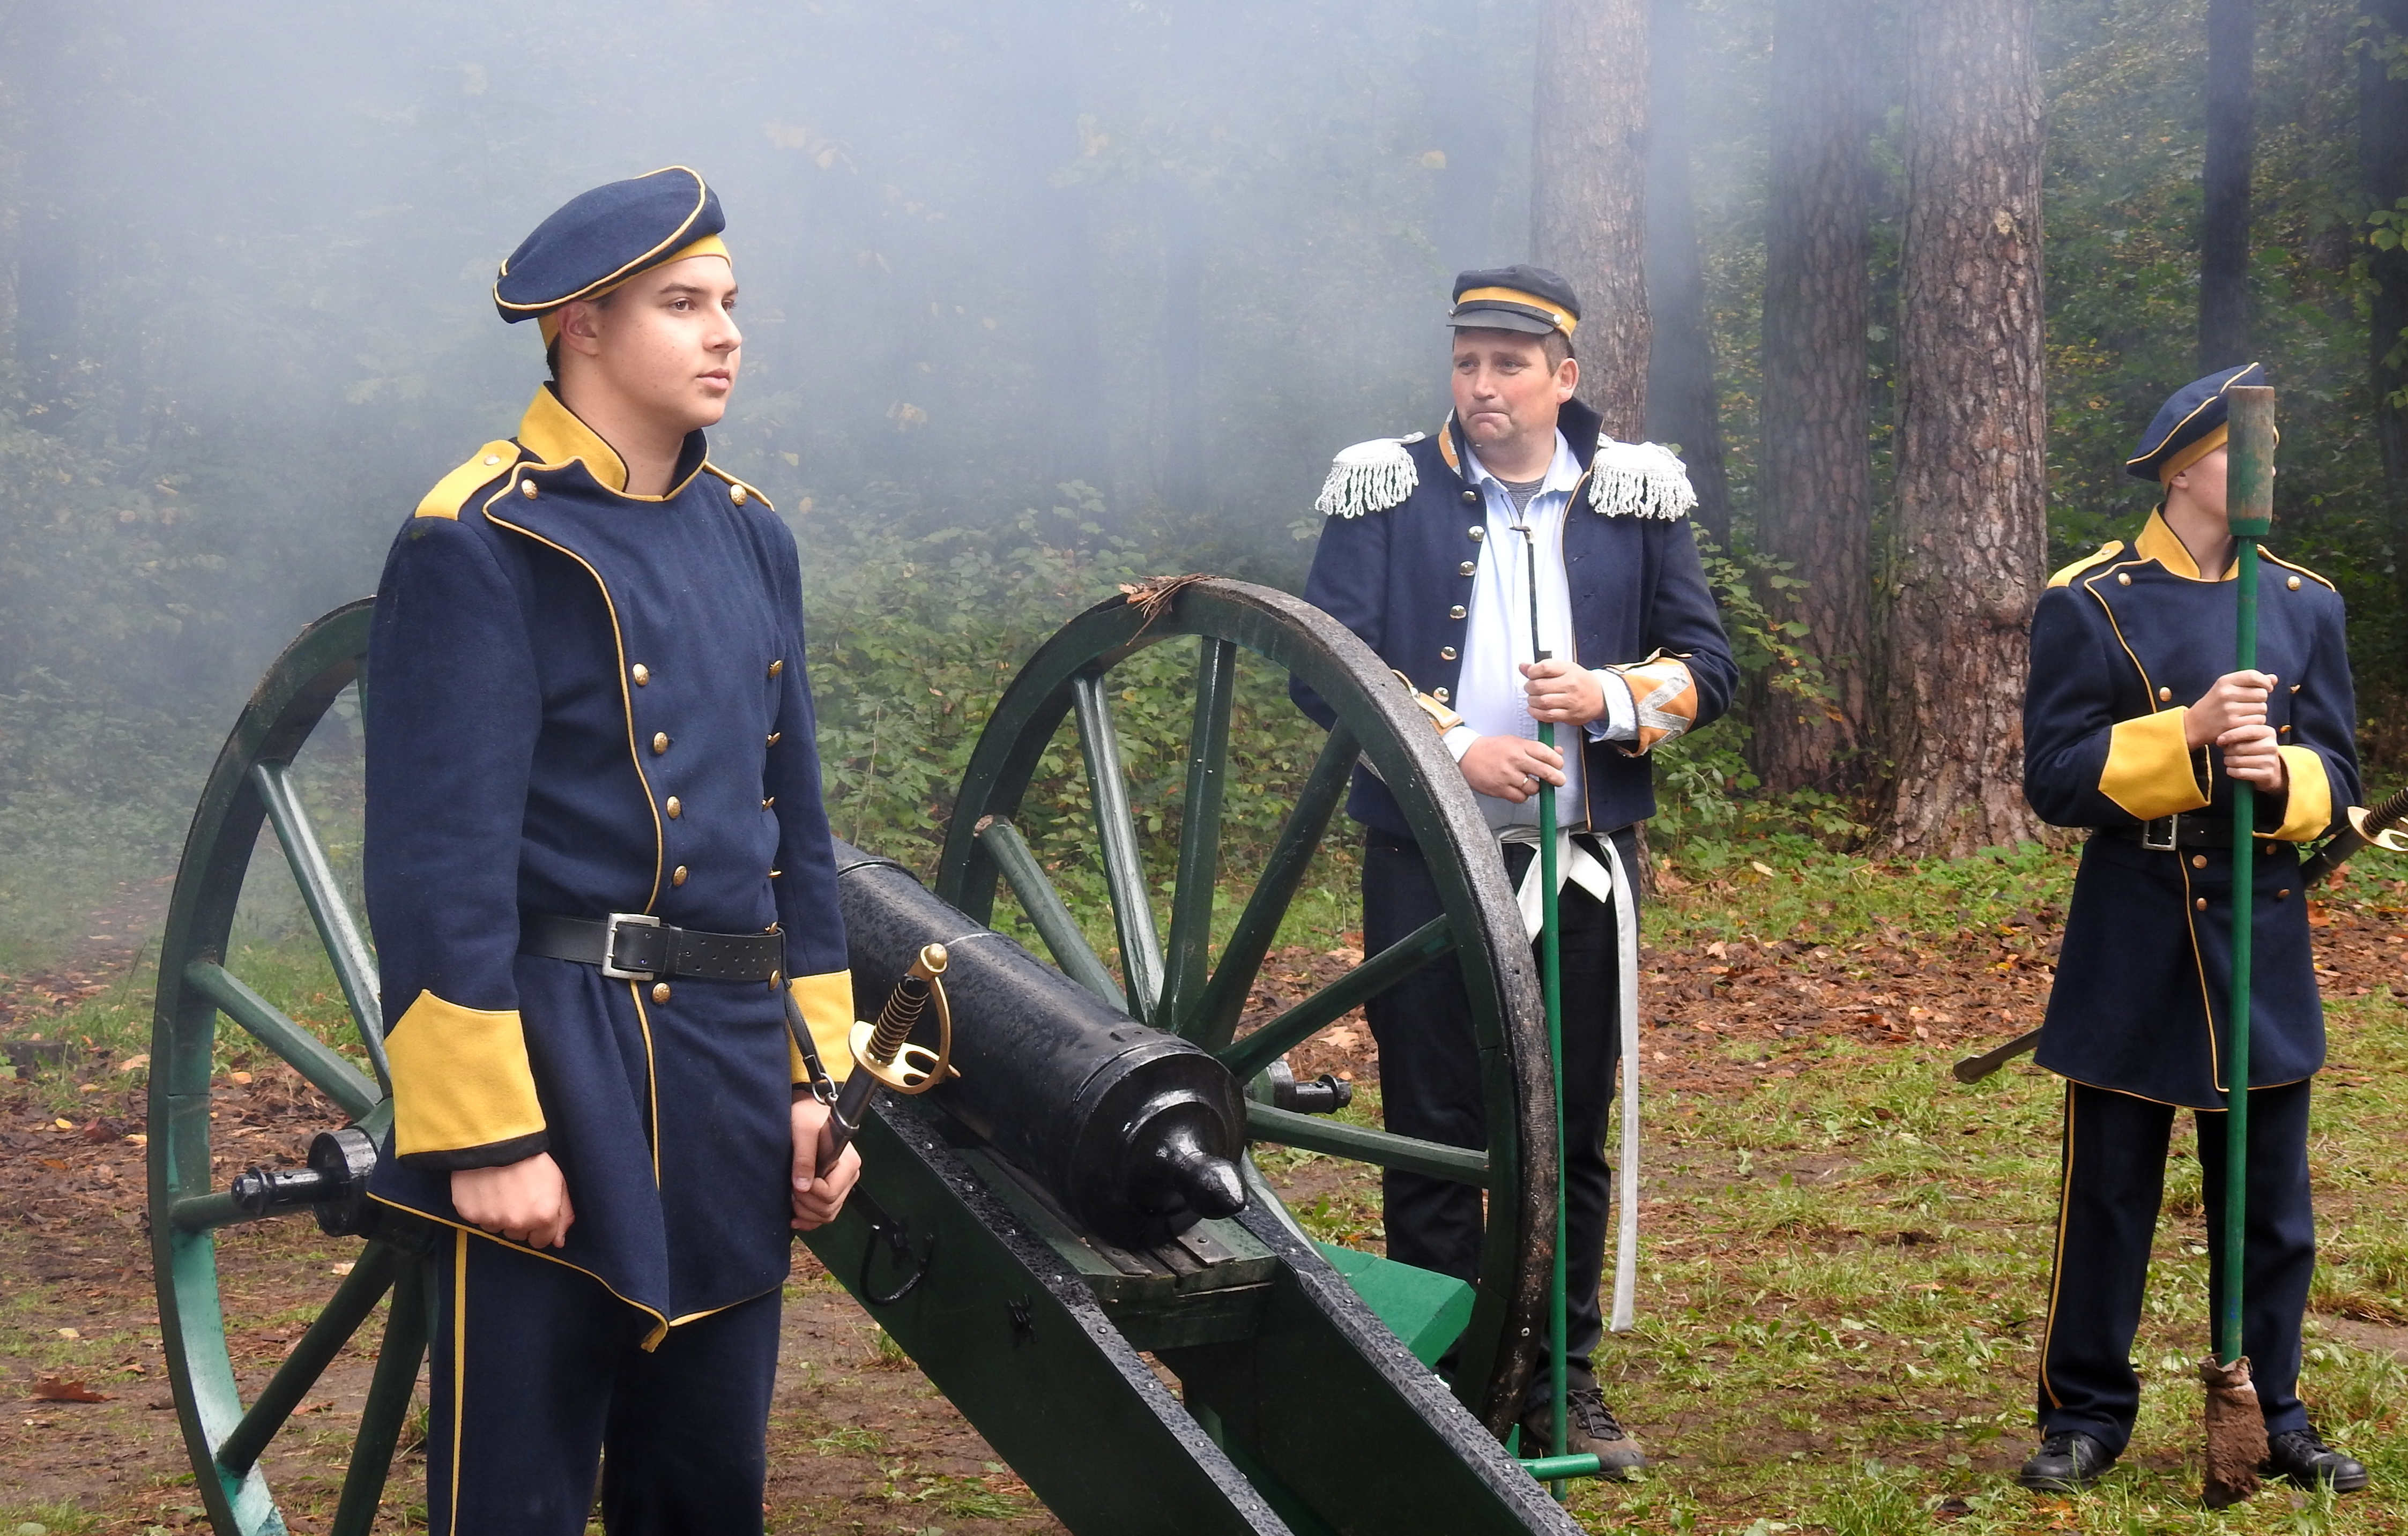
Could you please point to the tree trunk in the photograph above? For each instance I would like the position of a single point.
(2383, 150)
(2224, 207)
(1682, 407)
(1814, 509)
(1588, 191)
(1973, 421)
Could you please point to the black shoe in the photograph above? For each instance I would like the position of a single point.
(2302, 1457)
(2066, 1462)
(1592, 1430)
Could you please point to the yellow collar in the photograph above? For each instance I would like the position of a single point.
(551, 432)
(2160, 543)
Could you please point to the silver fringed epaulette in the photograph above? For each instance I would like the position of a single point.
(1640, 480)
(1369, 476)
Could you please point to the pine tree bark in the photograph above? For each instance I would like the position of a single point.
(2383, 154)
(1588, 191)
(2224, 206)
(1972, 423)
(1682, 405)
(1815, 505)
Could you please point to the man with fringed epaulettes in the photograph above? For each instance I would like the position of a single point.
(2134, 730)
(1424, 554)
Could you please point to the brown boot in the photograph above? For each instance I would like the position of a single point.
(1593, 1432)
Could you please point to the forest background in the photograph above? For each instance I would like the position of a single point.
(1040, 298)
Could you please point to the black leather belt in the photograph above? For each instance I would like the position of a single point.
(633, 946)
(2170, 833)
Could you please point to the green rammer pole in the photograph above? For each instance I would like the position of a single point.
(2249, 503)
(1551, 981)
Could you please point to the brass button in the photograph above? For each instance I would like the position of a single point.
(777, 666)
(2165, 695)
(2293, 583)
(526, 489)
(492, 458)
(1471, 498)
(660, 991)
(1446, 653)
(1439, 694)
(1455, 612)
(777, 979)
(1477, 532)
(677, 876)
(2287, 730)
(676, 807)
(775, 873)
(1467, 568)
(766, 803)
(2284, 894)
(660, 742)
(2123, 578)
(773, 738)
(735, 494)
(2198, 861)
(641, 673)
(2200, 903)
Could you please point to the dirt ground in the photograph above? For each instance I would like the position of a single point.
(860, 1441)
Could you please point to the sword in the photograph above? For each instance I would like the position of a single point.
(2361, 829)
(882, 1053)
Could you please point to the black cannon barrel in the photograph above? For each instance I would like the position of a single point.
(1135, 1132)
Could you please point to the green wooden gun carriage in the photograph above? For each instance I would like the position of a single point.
(1306, 1401)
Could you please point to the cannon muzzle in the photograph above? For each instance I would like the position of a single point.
(1135, 1133)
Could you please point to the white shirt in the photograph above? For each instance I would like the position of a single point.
(1490, 695)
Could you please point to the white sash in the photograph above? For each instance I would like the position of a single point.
(1609, 882)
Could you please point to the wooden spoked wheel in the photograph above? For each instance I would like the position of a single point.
(1179, 987)
(190, 1205)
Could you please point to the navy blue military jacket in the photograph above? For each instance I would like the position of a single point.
(2121, 643)
(1402, 578)
(582, 701)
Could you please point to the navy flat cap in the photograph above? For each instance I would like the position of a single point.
(2190, 426)
(1530, 299)
(600, 238)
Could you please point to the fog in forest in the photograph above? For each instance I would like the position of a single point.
(1145, 263)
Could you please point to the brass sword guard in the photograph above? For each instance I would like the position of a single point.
(2390, 840)
(883, 1049)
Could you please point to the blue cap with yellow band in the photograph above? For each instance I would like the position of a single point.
(598, 239)
(1530, 299)
(2189, 426)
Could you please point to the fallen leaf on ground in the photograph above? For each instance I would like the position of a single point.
(53, 1390)
(133, 1062)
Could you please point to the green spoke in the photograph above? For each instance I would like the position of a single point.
(1116, 834)
(1216, 1017)
(1199, 834)
(1338, 998)
(348, 1307)
(308, 1055)
(1319, 1133)
(355, 967)
(1046, 912)
(406, 1333)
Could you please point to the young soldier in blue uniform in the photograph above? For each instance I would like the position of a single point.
(594, 852)
(2132, 728)
(1425, 556)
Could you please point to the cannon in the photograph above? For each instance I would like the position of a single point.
(1058, 1234)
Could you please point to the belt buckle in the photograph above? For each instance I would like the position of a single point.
(610, 927)
(2172, 824)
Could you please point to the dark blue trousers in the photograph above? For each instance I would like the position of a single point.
(2114, 1178)
(540, 1375)
(1429, 1084)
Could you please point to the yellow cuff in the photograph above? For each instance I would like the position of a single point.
(2310, 810)
(1666, 697)
(2149, 770)
(827, 1002)
(460, 1078)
